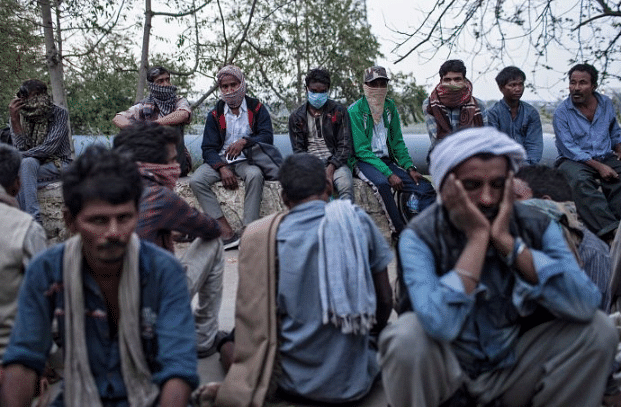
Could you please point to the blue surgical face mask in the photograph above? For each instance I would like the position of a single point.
(317, 100)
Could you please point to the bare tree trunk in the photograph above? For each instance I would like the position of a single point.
(53, 58)
(144, 59)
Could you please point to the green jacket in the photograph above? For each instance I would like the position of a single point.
(362, 134)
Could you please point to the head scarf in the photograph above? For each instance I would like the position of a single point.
(164, 97)
(457, 148)
(35, 116)
(233, 99)
(375, 98)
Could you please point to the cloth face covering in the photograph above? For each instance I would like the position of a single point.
(165, 174)
(35, 117)
(317, 100)
(235, 98)
(446, 97)
(164, 97)
(376, 98)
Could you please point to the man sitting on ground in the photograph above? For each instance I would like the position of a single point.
(321, 127)
(517, 119)
(380, 156)
(164, 107)
(122, 305)
(588, 139)
(451, 106)
(40, 130)
(547, 189)
(479, 270)
(329, 293)
(162, 211)
(20, 239)
(237, 122)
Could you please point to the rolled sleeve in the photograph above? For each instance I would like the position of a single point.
(441, 303)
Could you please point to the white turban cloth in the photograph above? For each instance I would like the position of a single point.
(457, 148)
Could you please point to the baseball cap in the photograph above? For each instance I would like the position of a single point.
(375, 72)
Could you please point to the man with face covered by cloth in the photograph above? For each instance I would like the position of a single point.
(451, 105)
(164, 107)
(502, 313)
(238, 121)
(380, 156)
(40, 131)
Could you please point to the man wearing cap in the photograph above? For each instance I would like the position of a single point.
(380, 156)
(451, 106)
(164, 107)
(502, 312)
(237, 122)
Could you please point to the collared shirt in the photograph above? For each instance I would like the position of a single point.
(56, 144)
(484, 326)
(579, 139)
(166, 331)
(453, 116)
(134, 112)
(378, 141)
(237, 127)
(162, 211)
(525, 128)
(319, 361)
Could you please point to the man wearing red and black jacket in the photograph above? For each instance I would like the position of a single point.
(237, 122)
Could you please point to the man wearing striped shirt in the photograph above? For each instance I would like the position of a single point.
(39, 129)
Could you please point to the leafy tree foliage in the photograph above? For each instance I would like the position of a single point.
(408, 96)
(21, 51)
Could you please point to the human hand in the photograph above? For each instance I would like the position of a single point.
(607, 173)
(229, 180)
(330, 172)
(234, 150)
(617, 151)
(395, 182)
(463, 213)
(415, 175)
(500, 236)
(15, 106)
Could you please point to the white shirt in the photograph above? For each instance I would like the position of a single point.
(237, 127)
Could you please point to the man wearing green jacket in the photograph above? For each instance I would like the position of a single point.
(380, 156)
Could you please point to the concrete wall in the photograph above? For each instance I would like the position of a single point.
(231, 202)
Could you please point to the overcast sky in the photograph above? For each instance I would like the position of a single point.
(401, 14)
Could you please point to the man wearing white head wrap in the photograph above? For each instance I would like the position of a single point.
(502, 312)
(237, 122)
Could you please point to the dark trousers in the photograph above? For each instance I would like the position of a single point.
(424, 189)
(599, 209)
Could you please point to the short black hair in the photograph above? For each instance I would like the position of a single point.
(10, 160)
(318, 75)
(32, 87)
(156, 71)
(590, 69)
(101, 174)
(509, 73)
(544, 180)
(146, 142)
(302, 175)
(452, 65)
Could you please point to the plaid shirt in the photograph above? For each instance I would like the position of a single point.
(162, 211)
(453, 115)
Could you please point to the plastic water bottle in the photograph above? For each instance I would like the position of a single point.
(413, 203)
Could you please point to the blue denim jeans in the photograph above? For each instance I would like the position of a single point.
(33, 176)
(379, 182)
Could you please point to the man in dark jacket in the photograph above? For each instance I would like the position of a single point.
(321, 127)
(237, 122)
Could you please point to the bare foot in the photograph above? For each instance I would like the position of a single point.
(205, 395)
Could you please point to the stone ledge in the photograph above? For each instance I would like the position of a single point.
(231, 203)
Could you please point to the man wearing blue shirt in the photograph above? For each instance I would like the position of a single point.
(588, 139)
(502, 312)
(121, 305)
(517, 119)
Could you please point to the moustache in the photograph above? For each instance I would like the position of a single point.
(489, 212)
(112, 244)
